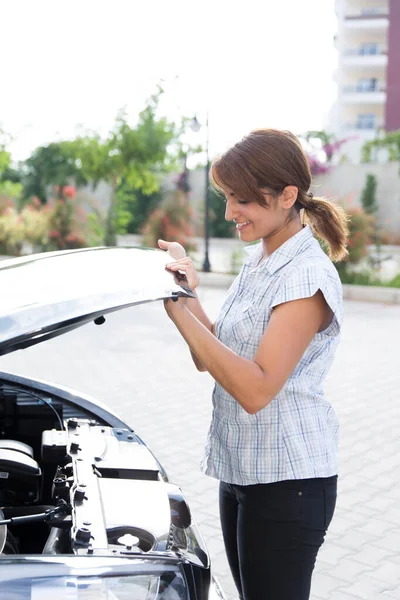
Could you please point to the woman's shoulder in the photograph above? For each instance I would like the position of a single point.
(313, 260)
(305, 274)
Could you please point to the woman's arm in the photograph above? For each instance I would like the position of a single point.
(196, 309)
(192, 280)
(254, 383)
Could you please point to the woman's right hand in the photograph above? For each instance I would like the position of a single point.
(173, 248)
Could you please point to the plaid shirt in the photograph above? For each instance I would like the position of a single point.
(296, 435)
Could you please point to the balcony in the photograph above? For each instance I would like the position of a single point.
(353, 94)
(373, 19)
(360, 58)
(367, 130)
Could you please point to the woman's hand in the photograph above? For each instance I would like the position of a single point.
(173, 248)
(183, 264)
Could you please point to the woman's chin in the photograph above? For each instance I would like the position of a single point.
(245, 236)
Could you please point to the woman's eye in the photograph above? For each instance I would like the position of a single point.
(242, 201)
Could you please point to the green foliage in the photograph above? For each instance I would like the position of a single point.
(219, 226)
(55, 164)
(131, 157)
(368, 278)
(395, 282)
(10, 186)
(368, 195)
(5, 157)
(95, 230)
(389, 141)
(9, 189)
(12, 231)
(359, 277)
(30, 225)
(134, 208)
(36, 221)
(322, 136)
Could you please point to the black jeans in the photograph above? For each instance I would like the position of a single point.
(272, 534)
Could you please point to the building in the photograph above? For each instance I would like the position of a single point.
(368, 74)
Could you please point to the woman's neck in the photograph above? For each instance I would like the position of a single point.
(280, 236)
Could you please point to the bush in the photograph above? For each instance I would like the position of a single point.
(12, 232)
(361, 232)
(68, 222)
(368, 195)
(172, 221)
(35, 218)
(395, 282)
(62, 224)
(134, 208)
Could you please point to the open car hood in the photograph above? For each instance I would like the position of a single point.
(45, 295)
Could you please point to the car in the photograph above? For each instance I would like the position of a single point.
(87, 511)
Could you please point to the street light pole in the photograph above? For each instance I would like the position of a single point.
(206, 263)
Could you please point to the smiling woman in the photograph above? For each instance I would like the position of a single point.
(273, 437)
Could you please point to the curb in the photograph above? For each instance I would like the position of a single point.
(366, 293)
(361, 293)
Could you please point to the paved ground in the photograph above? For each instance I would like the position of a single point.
(137, 364)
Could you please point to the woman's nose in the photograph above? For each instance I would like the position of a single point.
(230, 211)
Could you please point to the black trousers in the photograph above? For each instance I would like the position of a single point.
(272, 534)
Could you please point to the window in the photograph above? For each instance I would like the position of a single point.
(369, 48)
(366, 121)
(367, 85)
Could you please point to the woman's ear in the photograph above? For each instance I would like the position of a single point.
(289, 196)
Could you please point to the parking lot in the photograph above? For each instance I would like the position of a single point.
(137, 364)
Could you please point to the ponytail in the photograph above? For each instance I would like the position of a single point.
(328, 221)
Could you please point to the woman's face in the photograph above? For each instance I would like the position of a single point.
(253, 221)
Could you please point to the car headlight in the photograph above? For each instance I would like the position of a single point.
(168, 586)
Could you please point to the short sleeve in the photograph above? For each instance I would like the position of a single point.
(304, 282)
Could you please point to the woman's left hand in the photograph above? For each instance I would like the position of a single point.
(185, 274)
(185, 267)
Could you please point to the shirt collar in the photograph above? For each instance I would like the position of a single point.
(284, 254)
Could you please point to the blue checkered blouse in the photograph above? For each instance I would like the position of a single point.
(296, 435)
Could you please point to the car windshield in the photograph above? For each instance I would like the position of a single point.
(168, 585)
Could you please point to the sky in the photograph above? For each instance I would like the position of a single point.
(68, 66)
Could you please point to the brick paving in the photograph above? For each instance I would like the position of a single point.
(138, 365)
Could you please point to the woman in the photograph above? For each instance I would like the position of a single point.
(273, 436)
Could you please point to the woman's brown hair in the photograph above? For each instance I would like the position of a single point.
(269, 159)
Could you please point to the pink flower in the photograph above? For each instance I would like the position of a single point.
(69, 191)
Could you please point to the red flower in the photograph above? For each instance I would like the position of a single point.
(69, 191)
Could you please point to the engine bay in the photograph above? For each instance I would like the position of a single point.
(71, 484)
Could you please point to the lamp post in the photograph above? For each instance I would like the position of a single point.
(195, 126)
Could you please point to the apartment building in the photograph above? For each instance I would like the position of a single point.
(368, 74)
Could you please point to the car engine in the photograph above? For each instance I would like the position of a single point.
(88, 489)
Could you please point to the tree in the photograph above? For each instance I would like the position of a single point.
(368, 195)
(134, 208)
(10, 186)
(132, 157)
(53, 165)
